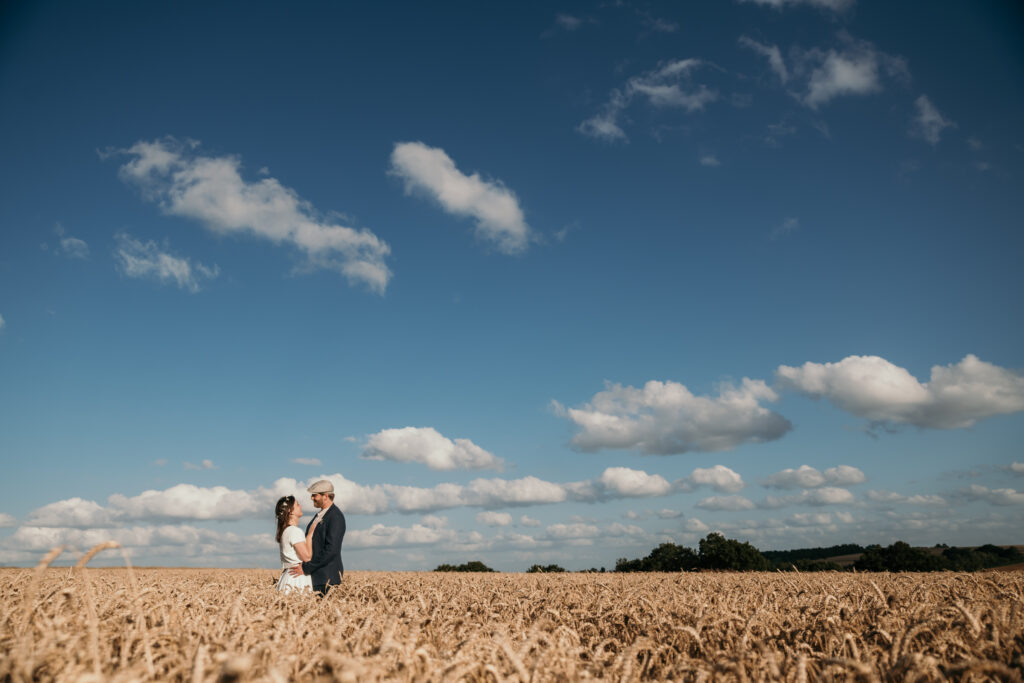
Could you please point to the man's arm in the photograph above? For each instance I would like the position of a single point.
(334, 533)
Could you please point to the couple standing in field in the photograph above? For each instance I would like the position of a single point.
(310, 561)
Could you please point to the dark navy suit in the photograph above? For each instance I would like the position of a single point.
(326, 568)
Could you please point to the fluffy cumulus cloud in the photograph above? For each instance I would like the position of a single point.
(1016, 468)
(627, 482)
(771, 53)
(856, 67)
(211, 190)
(186, 501)
(1005, 496)
(928, 123)
(726, 503)
(149, 260)
(429, 447)
(957, 396)
(7, 521)
(826, 495)
(666, 418)
(718, 477)
(668, 87)
(430, 171)
(73, 512)
(492, 518)
(806, 477)
(877, 496)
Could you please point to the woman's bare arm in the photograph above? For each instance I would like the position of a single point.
(304, 549)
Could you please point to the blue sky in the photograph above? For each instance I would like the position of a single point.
(531, 283)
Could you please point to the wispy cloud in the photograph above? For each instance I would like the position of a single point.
(666, 418)
(958, 395)
(787, 227)
(70, 246)
(826, 495)
(726, 503)
(427, 446)
(315, 462)
(3, 322)
(149, 260)
(204, 465)
(878, 496)
(211, 190)
(710, 160)
(928, 123)
(833, 5)
(430, 171)
(568, 21)
(856, 67)
(7, 521)
(661, 88)
(771, 53)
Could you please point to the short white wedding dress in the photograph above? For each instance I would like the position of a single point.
(289, 558)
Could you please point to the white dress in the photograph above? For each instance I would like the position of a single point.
(289, 558)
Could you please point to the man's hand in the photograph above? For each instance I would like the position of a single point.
(296, 570)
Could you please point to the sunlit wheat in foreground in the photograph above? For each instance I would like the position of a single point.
(202, 624)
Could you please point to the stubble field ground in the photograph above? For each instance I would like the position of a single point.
(206, 625)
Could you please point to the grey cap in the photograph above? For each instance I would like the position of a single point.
(322, 486)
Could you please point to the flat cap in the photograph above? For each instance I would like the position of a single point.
(322, 486)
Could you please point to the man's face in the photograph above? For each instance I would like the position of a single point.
(319, 500)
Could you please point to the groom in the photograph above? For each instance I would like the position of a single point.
(325, 568)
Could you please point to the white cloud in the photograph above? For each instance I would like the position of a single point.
(771, 53)
(710, 160)
(1016, 467)
(212, 191)
(827, 495)
(718, 477)
(873, 388)
(72, 247)
(529, 521)
(499, 218)
(634, 483)
(307, 461)
(568, 22)
(570, 531)
(2, 322)
(73, 512)
(178, 541)
(491, 518)
(994, 496)
(150, 261)
(725, 503)
(834, 5)
(186, 501)
(810, 519)
(381, 536)
(665, 418)
(427, 446)
(694, 524)
(787, 227)
(893, 497)
(856, 68)
(204, 465)
(666, 513)
(844, 475)
(7, 521)
(928, 123)
(806, 477)
(662, 87)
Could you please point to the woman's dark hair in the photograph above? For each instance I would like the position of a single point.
(283, 510)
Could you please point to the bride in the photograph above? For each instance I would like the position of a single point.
(295, 548)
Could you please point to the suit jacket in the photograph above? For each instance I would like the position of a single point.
(326, 568)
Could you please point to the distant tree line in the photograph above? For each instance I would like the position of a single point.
(474, 566)
(716, 552)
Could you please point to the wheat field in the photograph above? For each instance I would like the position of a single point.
(121, 624)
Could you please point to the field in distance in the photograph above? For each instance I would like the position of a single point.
(205, 624)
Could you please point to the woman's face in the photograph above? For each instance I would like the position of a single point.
(296, 511)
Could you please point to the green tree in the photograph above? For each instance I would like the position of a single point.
(719, 552)
(474, 566)
(545, 569)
